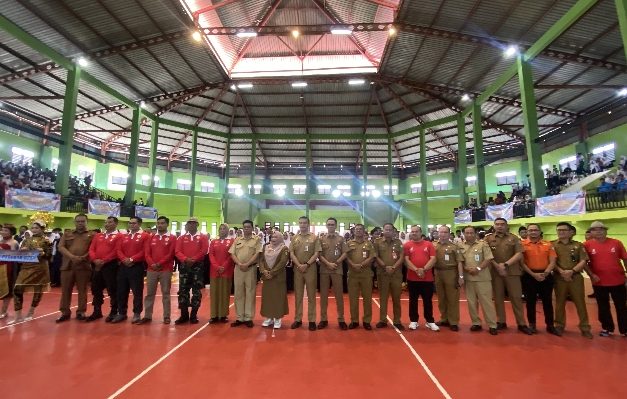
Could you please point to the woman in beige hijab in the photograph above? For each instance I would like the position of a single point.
(274, 290)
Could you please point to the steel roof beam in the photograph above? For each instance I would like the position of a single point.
(387, 128)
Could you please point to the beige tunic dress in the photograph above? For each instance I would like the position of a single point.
(35, 276)
(274, 290)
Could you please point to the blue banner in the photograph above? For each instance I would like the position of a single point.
(146, 212)
(19, 256)
(104, 208)
(462, 217)
(505, 211)
(35, 200)
(562, 204)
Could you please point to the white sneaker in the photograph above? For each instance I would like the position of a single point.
(3, 315)
(413, 325)
(266, 322)
(277, 323)
(432, 326)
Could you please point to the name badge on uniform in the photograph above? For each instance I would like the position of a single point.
(306, 248)
(446, 257)
(364, 254)
(336, 252)
(394, 256)
(477, 257)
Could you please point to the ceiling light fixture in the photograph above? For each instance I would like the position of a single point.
(356, 82)
(295, 33)
(510, 51)
(623, 92)
(245, 85)
(392, 31)
(299, 84)
(341, 31)
(197, 36)
(82, 61)
(246, 34)
(465, 97)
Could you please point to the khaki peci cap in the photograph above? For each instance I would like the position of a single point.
(597, 225)
(192, 220)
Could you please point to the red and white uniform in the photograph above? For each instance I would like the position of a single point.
(219, 256)
(132, 245)
(104, 246)
(160, 250)
(192, 246)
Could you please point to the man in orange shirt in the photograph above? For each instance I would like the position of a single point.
(538, 262)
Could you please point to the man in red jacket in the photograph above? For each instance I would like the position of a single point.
(221, 275)
(191, 249)
(102, 253)
(160, 264)
(130, 253)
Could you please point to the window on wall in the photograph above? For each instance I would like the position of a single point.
(471, 180)
(182, 184)
(214, 229)
(54, 163)
(84, 172)
(174, 227)
(299, 189)
(119, 180)
(279, 189)
(203, 227)
(286, 226)
(408, 228)
(367, 190)
(604, 155)
(324, 189)
(254, 189)
(232, 188)
(440, 185)
(568, 162)
(415, 188)
(206, 187)
(344, 189)
(386, 190)
(505, 178)
(342, 228)
(146, 180)
(20, 155)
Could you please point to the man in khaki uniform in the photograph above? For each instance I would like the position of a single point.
(477, 259)
(449, 277)
(360, 255)
(389, 252)
(76, 268)
(506, 271)
(571, 260)
(333, 254)
(304, 250)
(245, 252)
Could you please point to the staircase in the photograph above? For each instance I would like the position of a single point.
(590, 180)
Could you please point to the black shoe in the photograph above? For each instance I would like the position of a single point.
(493, 331)
(119, 318)
(224, 320)
(475, 327)
(381, 324)
(249, 324)
(213, 320)
(63, 318)
(193, 320)
(80, 317)
(454, 327)
(525, 330)
(94, 316)
(593, 295)
(237, 323)
(312, 326)
(110, 318)
(442, 323)
(501, 326)
(399, 326)
(296, 325)
(367, 326)
(353, 325)
(533, 329)
(182, 320)
(343, 326)
(323, 324)
(145, 320)
(554, 331)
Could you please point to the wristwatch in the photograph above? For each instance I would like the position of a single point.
(461, 276)
(479, 268)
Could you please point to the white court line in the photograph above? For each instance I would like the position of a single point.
(36, 318)
(417, 356)
(158, 362)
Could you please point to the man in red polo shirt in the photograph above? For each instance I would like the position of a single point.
(131, 248)
(191, 249)
(221, 272)
(103, 256)
(608, 277)
(420, 260)
(160, 264)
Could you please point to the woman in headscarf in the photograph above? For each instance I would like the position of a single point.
(274, 290)
(34, 276)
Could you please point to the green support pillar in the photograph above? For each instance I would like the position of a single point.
(152, 162)
(253, 169)
(364, 171)
(308, 168)
(67, 130)
(621, 11)
(462, 162)
(390, 208)
(424, 205)
(227, 176)
(530, 119)
(477, 133)
(131, 181)
(194, 167)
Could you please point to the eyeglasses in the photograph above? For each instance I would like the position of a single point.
(563, 229)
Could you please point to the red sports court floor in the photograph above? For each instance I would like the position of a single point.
(99, 360)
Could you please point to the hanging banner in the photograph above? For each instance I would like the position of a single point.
(462, 217)
(35, 200)
(505, 211)
(106, 208)
(145, 212)
(562, 204)
(19, 256)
